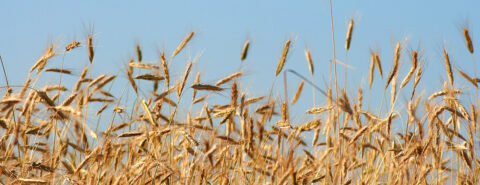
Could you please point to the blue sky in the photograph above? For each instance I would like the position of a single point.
(223, 26)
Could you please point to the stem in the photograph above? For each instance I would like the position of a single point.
(334, 61)
(4, 71)
(333, 45)
(346, 68)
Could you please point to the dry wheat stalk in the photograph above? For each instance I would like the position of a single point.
(102, 109)
(164, 93)
(448, 67)
(299, 91)
(396, 60)
(96, 80)
(93, 99)
(359, 97)
(253, 100)
(132, 82)
(48, 54)
(80, 79)
(283, 58)
(150, 77)
(468, 40)
(244, 53)
(309, 125)
(344, 103)
(165, 68)
(199, 99)
(234, 94)
(372, 69)
(349, 34)
(393, 91)
(31, 181)
(87, 158)
(197, 81)
(131, 134)
(206, 87)
(418, 76)
(49, 88)
(72, 45)
(104, 82)
(90, 48)
(182, 44)
(310, 61)
(412, 69)
(464, 75)
(228, 78)
(376, 57)
(69, 99)
(184, 80)
(139, 53)
(57, 70)
(10, 100)
(142, 65)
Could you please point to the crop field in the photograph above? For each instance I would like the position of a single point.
(155, 123)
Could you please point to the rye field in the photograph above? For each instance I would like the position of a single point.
(152, 123)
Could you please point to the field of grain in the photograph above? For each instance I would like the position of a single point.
(51, 134)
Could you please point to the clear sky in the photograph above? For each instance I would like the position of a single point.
(223, 26)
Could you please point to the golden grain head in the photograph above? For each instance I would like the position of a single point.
(150, 77)
(468, 78)
(228, 78)
(348, 39)
(394, 70)
(132, 82)
(58, 70)
(372, 69)
(448, 66)
(184, 80)
(412, 69)
(90, 48)
(139, 53)
(283, 58)
(72, 45)
(42, 61)
(397, 53)
(244, 53)
(299, 91)
(206, 87)
(165, 68)
(182, 44)
(309, 60)
(378, 63)
(393, 90)
(234, 94)
(468, 40)
(197, 81)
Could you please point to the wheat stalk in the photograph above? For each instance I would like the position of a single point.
(283, 58)
(348, 39)
(182, 44)
(244, 53)
(448, 67)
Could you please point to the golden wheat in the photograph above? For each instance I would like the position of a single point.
(349, 35)
(182, 44)
(48, 137)
(244, 53)
(310, 61)
(448, 66)
(283, 58)
(396, 60)
(468, 40)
